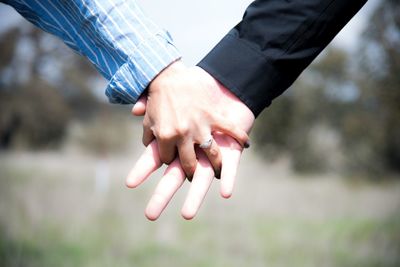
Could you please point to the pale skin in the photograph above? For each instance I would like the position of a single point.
(174, 177)
(218, 100)
(185, 106)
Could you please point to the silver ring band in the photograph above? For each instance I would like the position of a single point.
(206, 144)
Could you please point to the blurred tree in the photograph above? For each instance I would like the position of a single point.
(8, 45)
(42, 83)
(343, 113)
(293, 125)
(380, 84)
(33, 118)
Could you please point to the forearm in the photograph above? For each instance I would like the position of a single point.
(276, 40)
(117, 38)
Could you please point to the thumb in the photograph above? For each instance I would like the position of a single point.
(139, 108)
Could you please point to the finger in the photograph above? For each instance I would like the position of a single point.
(139, 109)
(213, 154)
(201, 182)
(170, 183)
(167, 152)
(148, 162)
(225, 126)
(148, 136)
(230, 162)
(187, 157)
(167, 149)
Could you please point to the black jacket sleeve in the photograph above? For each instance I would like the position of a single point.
(276, 40)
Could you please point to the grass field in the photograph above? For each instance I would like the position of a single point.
(53, 212)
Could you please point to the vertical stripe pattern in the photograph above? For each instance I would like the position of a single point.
(115, 35)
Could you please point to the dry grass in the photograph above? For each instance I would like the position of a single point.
(52, 213)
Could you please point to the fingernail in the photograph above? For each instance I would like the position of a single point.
(247, 144)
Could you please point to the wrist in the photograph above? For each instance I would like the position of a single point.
(226, 98)
(170, 71)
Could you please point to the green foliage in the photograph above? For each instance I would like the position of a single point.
(344, 243)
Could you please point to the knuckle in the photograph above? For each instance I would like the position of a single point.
(182, 130)
(165, 134)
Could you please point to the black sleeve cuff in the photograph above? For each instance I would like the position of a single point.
(276, 40)
(245, 72)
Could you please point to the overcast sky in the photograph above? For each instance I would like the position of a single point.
(198, 25)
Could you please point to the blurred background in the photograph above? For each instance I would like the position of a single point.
(319, 187)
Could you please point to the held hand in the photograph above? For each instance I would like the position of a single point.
(174, 177)
(185, 106)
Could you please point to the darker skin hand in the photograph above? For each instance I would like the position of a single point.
(185, 106)
(174, 176)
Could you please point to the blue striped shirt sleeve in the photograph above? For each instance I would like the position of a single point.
(125, 46)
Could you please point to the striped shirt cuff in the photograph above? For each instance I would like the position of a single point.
(134, 76)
